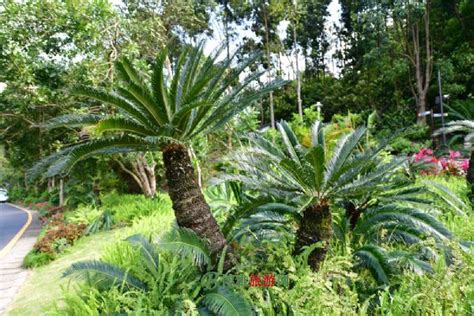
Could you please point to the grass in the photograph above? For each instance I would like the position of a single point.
(44, 288)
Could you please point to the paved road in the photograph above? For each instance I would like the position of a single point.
(11, 221)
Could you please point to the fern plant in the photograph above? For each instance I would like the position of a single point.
(164, 112)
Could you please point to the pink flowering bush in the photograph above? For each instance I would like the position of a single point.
(452, 164)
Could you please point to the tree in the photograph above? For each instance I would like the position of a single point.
(413, 26)
(142, 170)
(315, 177)
(263, 17)
(44, 47)
(165, 114)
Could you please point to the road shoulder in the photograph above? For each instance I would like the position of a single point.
(12, 274)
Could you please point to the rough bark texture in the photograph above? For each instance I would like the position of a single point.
(315, 226)
(191, 209)
(470, 177)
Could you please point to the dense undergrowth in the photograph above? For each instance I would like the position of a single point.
(338, 288)
(63, 227)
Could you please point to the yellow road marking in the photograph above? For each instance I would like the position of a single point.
(18, 235)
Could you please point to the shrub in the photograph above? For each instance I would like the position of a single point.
(36, 259)
(84, 214)
(68, 232)
(128, 207)
(452, 164)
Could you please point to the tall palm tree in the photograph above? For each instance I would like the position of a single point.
(314, 177)
(165, 112)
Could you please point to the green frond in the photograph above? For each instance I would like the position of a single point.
(376, 260)
(103, 275)
(184, 241)
(142, 97)
(135, 111)
(73, 120)
(317, 134)
(120, 124)
(42, 166)
(264, 225)
(448, 197)
(150, 255)
(371, 178)
(71, 155)
(127, 73)
(158, 84)
(226, 302)
(315, 157)
(344, 148)
(242, 210)
(408, 261)
(289, 137)
(225, 110)
(403, 215)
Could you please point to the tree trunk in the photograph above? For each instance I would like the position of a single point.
(142, 173)
(61, 192)
(298, 78)
(269, 61)
(315, 226)
(352, 214)
(190, 207)
(470, 178)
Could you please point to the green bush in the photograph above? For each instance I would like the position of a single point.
(36, 259)
(127, 207)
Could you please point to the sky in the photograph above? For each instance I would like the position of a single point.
(334, 9)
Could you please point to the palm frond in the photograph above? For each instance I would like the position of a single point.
(150, 255)
(120, 124)
(73, 120)
(226, 302)
(71, 155)
(453, 201)
(405, 215)
(344, 148)
(103, 274)
(408, 261)
(376, 260)
(184, 241)
(132, 110)
(158, 84)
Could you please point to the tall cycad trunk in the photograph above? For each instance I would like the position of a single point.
(315, 226)
(190, 207)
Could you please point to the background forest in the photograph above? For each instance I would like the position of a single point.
(314, 129)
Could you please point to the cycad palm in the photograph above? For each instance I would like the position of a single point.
(314, 177)
(164, 113)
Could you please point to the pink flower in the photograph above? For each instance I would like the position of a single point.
(464, 164)
(444, 162)
(423, 154)
(454, 154)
